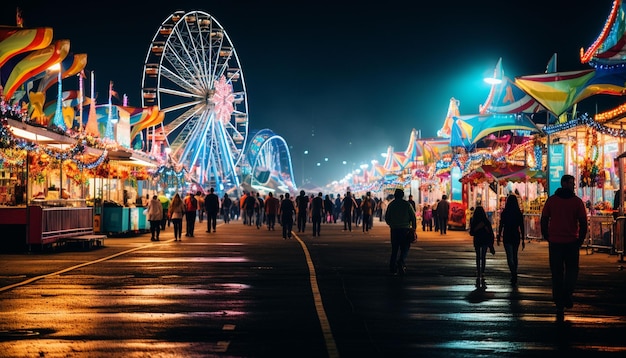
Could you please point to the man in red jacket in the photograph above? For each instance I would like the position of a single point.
(564, 226)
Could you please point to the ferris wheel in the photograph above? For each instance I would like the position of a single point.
(192, 73)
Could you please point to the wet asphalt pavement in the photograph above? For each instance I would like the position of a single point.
(246, 292)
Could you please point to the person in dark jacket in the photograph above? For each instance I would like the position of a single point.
(302, 207)
(511, 231)
(481, 230)
(347, 206)
(401, 219)
(212, 208)
(317, 211)
(564, 226)
(443, 213)
(328, 210)
(286, 213)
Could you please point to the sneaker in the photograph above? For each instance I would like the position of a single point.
(567, 302)
(560, 315)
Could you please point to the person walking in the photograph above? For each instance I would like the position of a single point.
(347, 206)
(272, 204)
(191, 205)
(251, 204)
(286, 212)
(511, 231)
(317, 211)
(435, 215)
(259, 211)
(337, 208)
(328, 209)
(367, 208)
(212, 208)
(242, 207)
(176, 213)
(481, 230)
(226, 208)
(165, 204)
(401, 219)
(200, 199)
(155, 215)
(302, 207)
(564, 226)
(412, 202)
(443, 213)
(427, 218)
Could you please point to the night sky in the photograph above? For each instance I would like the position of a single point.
(341, 79)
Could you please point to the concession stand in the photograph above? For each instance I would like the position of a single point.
(41, 204)
(57, 186)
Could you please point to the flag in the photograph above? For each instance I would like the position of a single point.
(19, 21)
(112, 92)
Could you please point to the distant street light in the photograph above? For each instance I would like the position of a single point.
(303, 156)
(493, 81)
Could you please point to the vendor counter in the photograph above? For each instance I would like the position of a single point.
(120, 220)
(41, 226)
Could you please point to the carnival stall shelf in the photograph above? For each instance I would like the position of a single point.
(600, 234)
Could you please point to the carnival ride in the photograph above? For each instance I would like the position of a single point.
(192, 73)
(267, 163)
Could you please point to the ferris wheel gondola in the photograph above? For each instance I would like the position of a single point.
(192, 73)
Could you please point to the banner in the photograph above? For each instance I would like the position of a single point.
(556, 166)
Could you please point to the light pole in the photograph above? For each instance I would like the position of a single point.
(303, 156)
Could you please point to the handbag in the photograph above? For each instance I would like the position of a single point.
(411, 235)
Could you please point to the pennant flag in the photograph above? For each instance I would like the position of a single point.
(19, 21)
(112, 93)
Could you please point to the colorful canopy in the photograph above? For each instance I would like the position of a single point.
(557, 91)
(609, 48)
(505, 97)
(468, 130)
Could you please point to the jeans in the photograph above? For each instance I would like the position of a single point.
(481, 259)
(511, 250)
(211, 221)
(443, 224)
(400, 246)
(317, 223)
(564, 261)
(178, 227)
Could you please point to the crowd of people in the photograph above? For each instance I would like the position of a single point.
(563, 224)
(254, 209)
